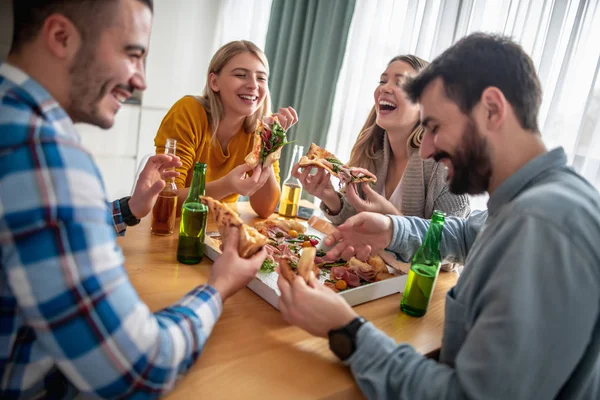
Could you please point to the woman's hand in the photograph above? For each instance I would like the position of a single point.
(373, 201)
(287, 117)
(318, 185)
(239, 181)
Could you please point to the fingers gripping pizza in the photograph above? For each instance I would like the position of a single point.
(251, 241)
(306, 263)
(269, 139)
(321, 158)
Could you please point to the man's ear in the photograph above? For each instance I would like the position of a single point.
(212, 81)
(494, 106)
(61, 36)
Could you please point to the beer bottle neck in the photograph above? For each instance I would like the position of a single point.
(197, 188)
(429, 252)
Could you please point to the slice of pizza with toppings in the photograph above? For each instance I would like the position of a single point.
(305, 264)
(269, 139)
(251, 241)
(321, 158)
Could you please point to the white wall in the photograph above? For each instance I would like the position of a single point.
(180, 50)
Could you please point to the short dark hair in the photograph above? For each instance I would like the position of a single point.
(87, 15)
(477, 62)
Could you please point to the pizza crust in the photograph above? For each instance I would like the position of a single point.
(253, 158)
(307, 262)
(283, 224)
(251, 241)
(271, 158)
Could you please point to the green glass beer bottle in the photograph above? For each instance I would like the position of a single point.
(424, 270)
(190, 248)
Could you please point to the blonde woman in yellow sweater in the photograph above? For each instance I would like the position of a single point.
(216, 128)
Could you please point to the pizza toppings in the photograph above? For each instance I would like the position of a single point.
(321, 158)
(269, 139)
(294, 250)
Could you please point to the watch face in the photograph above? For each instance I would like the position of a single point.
(341, 344)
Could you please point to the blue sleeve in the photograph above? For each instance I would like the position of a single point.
(457, 237)
(65, 270)
(117, 218)
(522, 315)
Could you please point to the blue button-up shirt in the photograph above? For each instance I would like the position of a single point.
(523, 321)
(70, 321)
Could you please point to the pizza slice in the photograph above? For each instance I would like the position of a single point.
(272, 226)
(321, 158)
(251, 241)
(306, 263)
(269, 139)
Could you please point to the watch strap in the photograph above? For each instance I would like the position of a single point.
(128, 217)
(349, 332)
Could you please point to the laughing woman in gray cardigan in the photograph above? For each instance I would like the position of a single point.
(388, 146)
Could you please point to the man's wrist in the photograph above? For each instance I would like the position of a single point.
(390, 230)
(128, 215)
(219, 288)
(343, 341)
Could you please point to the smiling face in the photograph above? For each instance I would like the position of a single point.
(106, 70)
(393, 109)
(454, 139)
(241, 84)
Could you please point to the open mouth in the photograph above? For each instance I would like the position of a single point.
(248, 97)
(121, 94)
(387, 106)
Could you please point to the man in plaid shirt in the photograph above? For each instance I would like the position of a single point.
(70, 320)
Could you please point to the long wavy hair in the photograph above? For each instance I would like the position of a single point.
(370, 139)
(212, 100)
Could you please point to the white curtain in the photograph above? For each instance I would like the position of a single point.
(561, 36)
(242, 20)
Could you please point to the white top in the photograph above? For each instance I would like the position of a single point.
(396, 197)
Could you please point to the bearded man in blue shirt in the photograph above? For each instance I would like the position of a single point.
(523, 321)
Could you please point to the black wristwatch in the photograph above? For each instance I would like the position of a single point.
(128, 217)
(342, 341)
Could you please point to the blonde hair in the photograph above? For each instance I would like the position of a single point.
(212, 100)
(370, 139)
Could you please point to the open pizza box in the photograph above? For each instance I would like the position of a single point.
(265, 284)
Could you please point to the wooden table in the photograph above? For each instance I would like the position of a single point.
(252, 352)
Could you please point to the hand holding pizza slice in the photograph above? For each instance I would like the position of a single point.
(306, 263)
(321, 158)
(269, 139)
(251, 241)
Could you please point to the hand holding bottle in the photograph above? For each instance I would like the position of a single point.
(359, 236)
(318, 185)
(230, 272)
(373, 201)
(159, 168)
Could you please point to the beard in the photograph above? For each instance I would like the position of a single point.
(471, 163)
(89, 85)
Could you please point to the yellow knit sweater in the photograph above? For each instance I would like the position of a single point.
(187, 122)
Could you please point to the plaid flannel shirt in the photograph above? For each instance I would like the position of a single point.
(70, 321)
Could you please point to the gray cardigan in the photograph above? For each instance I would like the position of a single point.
(424, 189)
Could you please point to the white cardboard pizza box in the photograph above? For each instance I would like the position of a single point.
(265, 284)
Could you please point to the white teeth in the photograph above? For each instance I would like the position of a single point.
(251, 98)
(386, 103)
(121, 98)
